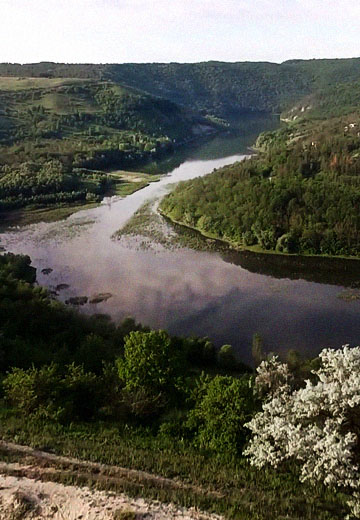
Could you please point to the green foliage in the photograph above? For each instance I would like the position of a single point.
(55, 135)
(37, 330)
(82, 394)
(300, 196)
(18, 267)
(222, 406)
(152, 360)
(33, 390)
(32, 183)
(226, 357)
(201, 352)
(48, 394)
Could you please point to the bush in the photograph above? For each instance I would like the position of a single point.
(288, 243)
(34, 391)
(82, 393)
(226, 358)
(266, 238)
(200, 352)
(46, 393)
(152, 370)
(222, 406)
(248, 238)
(152, 360)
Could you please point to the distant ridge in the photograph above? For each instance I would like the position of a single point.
(216, 88)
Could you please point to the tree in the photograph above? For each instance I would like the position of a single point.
(257, 349)
(222, 406)
(226, 357)
(152, 368)
(317, 425)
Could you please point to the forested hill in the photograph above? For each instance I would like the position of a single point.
(301, 195)
(214, 88)
(222, 89)
(59, 107)
(51, 127)
(63, 117)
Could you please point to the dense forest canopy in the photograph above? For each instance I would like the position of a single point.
(212, 87)
(300, 195)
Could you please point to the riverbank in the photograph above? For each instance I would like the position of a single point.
(124, 183)
(184, 289)
(33, 215)
(255, 248)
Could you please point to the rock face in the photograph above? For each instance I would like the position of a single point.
(30, 499)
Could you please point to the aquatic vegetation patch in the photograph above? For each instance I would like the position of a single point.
(101, 297)
(148, 229)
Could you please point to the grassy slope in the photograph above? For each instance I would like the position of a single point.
(39, 106)
(19, 83)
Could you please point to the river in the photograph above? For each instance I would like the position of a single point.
(225, 296)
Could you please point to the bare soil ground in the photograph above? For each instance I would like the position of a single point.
(30, 490)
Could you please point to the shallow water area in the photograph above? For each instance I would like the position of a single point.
(185, 291)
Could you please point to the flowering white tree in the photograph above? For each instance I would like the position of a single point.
(318, 425)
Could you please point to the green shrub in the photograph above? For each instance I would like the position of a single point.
(152, 370)
(152, 360)
(288, 243)
(248, 238)
(82, 393)
(46, 393)
(200, 352)
(222, 406)
(34, 391)
(226, 357)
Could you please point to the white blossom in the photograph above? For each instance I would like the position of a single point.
(318, 425)
(271, 376)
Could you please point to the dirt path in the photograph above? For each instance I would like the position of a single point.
(28, 490)
(25, 499)
(101, 469)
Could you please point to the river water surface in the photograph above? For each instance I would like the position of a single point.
(227, 297)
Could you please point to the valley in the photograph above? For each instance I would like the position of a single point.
(179, 258)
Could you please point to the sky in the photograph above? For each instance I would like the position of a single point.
(119, 31)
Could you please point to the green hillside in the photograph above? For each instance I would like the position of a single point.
(336, 100)
(53, 128)
(64, 117)
(215, 88)
(92, 114)
(301, 195)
